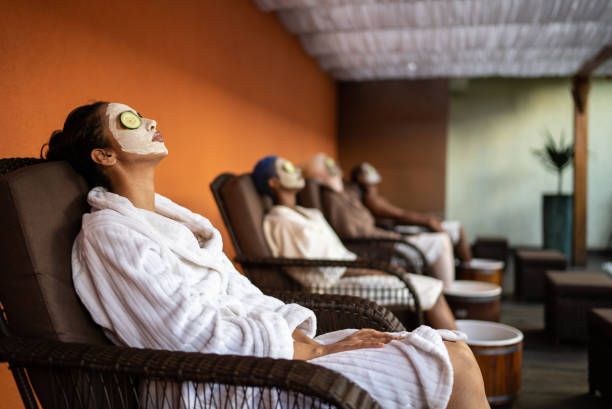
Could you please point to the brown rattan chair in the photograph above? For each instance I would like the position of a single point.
(61, 359)
(243, 210)
(318, 196)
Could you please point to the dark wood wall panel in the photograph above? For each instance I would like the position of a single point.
(399, 127)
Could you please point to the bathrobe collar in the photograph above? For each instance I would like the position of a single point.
(210, 254)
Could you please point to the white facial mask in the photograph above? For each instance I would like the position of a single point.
(370, 174)
(289, 176)
(144, 140)
(332, 167)
(335, 183)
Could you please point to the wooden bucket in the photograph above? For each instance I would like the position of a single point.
(480, 269)
(474, 300)
(498, 349)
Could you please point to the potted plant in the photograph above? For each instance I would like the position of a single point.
(557, 209)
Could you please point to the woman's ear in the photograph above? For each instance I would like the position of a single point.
(274, 184)
(104, 157)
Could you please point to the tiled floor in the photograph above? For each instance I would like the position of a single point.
(552, 376)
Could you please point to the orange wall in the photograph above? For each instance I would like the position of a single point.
(225, 82)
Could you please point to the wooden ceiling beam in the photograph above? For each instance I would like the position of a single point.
(591, 65)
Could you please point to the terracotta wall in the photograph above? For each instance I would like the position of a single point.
(400, 128)
(225, 82)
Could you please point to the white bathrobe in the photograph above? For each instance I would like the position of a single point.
(161, 280)
(304, 233)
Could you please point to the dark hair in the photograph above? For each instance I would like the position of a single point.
(355, 172)
(83, 132)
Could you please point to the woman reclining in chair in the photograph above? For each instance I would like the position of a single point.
(350, 218)
(367, 178)
(153, 274)
(296, 231)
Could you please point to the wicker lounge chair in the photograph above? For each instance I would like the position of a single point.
(61, 359)
(243, 210)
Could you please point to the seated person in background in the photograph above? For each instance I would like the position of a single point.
(297, 232)
(367, 178)
(351, 219)
(153, 274)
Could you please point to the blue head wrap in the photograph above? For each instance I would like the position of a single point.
(263, 171)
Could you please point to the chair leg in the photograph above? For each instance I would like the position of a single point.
(21, 378)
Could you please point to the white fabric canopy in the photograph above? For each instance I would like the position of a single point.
(371, 39)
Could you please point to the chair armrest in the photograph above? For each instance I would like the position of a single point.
(303, 262)
(386, 242)
(114, 362)
(385, 252)
(343, 311)
(368, 264)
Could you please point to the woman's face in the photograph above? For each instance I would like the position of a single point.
(332, 175)
(369, 174)
(141, 137)
(290, 177)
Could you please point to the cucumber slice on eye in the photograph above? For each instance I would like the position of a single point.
(130, 120)
(288, 167)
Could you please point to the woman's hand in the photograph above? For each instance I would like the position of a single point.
(435, 224)
(365, 338)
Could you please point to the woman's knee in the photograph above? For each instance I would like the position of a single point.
(460, 354)
(464, 363)
(468, 385)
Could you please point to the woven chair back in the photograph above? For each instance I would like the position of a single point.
(41, 208)
(243, 210)
(310, 195)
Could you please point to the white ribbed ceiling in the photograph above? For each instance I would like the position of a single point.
(384, 39)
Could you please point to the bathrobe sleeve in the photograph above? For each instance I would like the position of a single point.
(136, 291)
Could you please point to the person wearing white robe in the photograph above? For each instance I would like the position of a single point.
(297, 232)
(153, 274)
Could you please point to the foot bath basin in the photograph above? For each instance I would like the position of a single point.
(475, 300)
(498, 348)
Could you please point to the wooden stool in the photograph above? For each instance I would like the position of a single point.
(569, 296)
(495, 248)
(530, 269)
(600, 353)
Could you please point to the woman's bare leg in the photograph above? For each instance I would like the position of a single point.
(462, 248)
(440, 315)
(468, 386)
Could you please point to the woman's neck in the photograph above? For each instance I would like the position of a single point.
(136, 183)
(286, 198)
(371, 190)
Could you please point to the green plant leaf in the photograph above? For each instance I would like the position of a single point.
(555, 157)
